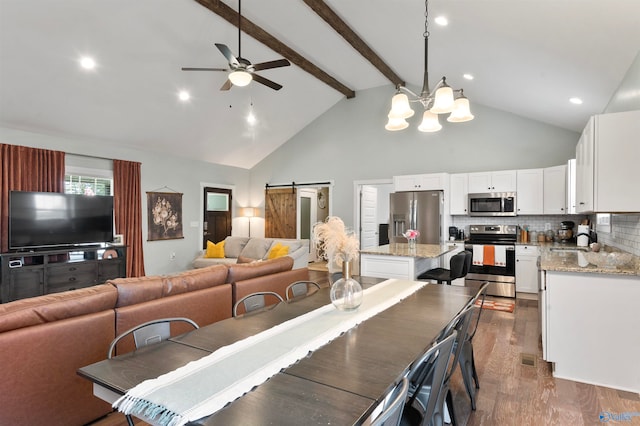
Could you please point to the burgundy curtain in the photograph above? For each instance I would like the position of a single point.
(127, 206)
(26, 169)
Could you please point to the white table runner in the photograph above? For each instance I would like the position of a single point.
(202, 387)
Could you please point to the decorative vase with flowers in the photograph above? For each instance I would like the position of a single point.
(411, 235)
(339, 246)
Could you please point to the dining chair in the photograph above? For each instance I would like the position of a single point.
(300, 288)
(467, 360)
(255, 301)
(426, 379)
(393, 406)
(149, 332)
(442, 275)
(459, 324)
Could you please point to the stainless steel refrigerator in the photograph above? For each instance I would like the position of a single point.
(421, 210)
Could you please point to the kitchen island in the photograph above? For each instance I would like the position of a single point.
(589, 316)
(397, 260)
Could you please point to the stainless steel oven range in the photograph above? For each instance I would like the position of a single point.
(502, 278)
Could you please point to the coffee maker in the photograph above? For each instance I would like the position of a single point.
(453, 233)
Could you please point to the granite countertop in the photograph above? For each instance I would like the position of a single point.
(573, 260)
(402, 249)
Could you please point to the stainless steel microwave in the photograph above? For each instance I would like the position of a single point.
(492, 204)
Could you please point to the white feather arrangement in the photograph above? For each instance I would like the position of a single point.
(337, 243)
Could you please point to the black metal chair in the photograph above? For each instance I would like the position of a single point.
(255, 301)
(467, 360)
(442, 275)
(393, 406)
(300, 288)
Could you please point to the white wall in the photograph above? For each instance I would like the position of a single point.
(349, 143)
(157, 171)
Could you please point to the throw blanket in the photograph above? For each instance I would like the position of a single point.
(202, 387)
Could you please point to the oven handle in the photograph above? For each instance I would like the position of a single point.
(470, 247)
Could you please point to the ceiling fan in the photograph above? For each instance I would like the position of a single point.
(241, 70)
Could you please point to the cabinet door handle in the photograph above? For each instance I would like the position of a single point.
(72, 279)
(581, 203)
(72, 269)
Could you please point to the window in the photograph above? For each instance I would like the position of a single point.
(87, 181)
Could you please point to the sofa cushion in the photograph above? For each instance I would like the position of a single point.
(245, 271)
(214, 250)
(242, 259)
(57, 306)
(277, 250)
(195, 279)
(138, 289)
(234, 245)
(256, 248)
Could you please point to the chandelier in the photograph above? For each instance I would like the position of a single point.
(442, 100)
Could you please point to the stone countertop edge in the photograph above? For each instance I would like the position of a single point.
(567, 261)
(402, 249)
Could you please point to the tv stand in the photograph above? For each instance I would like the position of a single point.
(34, 273)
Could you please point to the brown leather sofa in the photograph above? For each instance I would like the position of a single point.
(45, 339)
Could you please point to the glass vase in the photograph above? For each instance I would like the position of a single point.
(346, 293)
(411, 243)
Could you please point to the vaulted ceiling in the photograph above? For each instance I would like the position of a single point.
(528, 57)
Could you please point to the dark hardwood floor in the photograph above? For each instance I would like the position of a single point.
(512, 392)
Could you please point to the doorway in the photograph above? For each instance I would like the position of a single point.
(372, 211)
(307, 208)
(216, 217)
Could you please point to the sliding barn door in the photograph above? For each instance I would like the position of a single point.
(280, 213)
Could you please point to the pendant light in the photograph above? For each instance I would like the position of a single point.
(443, 100)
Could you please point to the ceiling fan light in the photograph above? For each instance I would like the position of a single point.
(396, 123)
(400, 106)
(461, 111)
(240, 78)
(430, 122)
(443, 101)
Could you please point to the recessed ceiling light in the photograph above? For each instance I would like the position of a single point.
(441, 20)
(575, 101)
(184, 96)
(87, 63)
(467, 76)
(251, 119)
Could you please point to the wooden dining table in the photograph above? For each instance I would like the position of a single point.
(341, 383)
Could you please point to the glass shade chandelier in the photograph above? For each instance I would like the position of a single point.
(442, 100)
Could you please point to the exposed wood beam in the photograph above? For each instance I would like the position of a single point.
(251, 29)
(341, 27)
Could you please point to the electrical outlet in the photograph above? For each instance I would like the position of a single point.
(172, 255)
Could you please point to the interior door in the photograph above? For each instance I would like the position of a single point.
(217, 215)
(368, 217)
(280, 213)
(307, 208)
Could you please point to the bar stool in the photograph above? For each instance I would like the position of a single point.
(456, 270)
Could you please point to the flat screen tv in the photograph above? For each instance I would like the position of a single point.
(50, 219)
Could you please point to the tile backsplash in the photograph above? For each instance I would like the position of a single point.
(625, 233)
(625, 228)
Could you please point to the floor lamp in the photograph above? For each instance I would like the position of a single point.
(249, 212)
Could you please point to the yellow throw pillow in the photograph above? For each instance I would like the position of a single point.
(215, 250)
(278, 250)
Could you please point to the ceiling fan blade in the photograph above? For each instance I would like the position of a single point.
(271, 64)
(227, 54)
(266, 82)
(204, 69)
(227, 85)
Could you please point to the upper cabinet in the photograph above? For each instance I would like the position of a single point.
(555, 190)
(607, 167)
(459, 184)
(530, 191)
(427, 182)
(502, 181)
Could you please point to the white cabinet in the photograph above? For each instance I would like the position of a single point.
(607, 172)
(555, 190)
(571, 186)
(530, 185)
(501, 181)
(446, 260)
(427, 182)
(459, 185)
(526, 269)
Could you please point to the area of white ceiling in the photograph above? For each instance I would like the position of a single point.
(528, 56)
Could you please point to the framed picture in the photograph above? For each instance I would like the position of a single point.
(118, 240)
(164, 216)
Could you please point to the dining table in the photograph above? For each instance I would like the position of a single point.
(342, 382)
